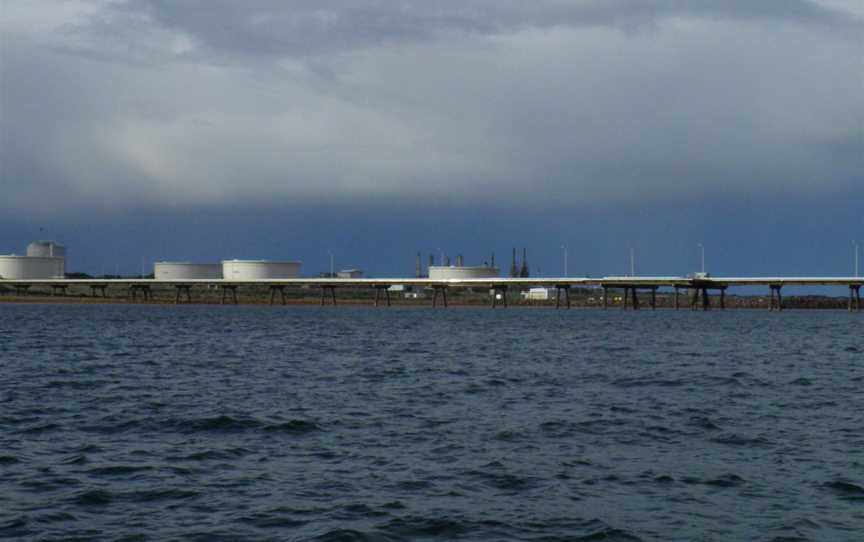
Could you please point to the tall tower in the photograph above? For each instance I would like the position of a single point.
(418, 268)
(524, 271)
(514, 271)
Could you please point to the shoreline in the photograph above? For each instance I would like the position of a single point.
(733, 303)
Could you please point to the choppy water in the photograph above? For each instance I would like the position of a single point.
(258, 423)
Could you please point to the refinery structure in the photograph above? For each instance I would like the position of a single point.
(447, 271)
(46, 260)
(44, 265)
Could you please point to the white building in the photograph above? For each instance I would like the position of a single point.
(539, 294)
(408, 292)
(349, 274)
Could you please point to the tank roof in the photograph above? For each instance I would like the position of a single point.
(46, 242)
(25, 257)
(187, 263)
(259, 261)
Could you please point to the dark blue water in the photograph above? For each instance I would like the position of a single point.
(259, 423)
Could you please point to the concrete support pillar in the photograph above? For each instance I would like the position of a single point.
(566, 289)
(378, 289)
(858, 298)
(278, 288)
(58, 288)
(233, 289)
(495, 291)
(677, 296)
(605, 298)
(775, 293)
(324, 289)
(98, 287)
(443, 291)
(146, 292)
(723, 298)
(653, 298)
(706, 300)
(854, 297)
(22, 289)
(694, 299)
(635, 299)
(183, 288)
(625, 299)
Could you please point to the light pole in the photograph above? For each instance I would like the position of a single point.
(702, 249)
(855, 244)
(564, 247)
(632, 262)
(332, 267)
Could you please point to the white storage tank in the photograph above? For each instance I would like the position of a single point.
(186, 271)
(444, 272)
(31, 267)
(46, 249)
(259, 270)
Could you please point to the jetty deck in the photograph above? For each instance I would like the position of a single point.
(698, 288)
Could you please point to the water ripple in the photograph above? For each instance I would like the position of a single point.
(302, 423)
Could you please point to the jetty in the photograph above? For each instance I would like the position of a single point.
(697, 289)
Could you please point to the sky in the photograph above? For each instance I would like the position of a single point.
(201, 130)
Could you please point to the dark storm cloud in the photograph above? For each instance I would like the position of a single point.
(269, 28)
(173, 103)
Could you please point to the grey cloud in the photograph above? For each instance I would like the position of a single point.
(270, 28)
(175, 103)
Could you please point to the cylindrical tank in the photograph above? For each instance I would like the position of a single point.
(440, 272)
(31, 267)
(259, 269)
(46, 249)
(186, 271)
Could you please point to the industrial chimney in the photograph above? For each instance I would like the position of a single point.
(524, 271)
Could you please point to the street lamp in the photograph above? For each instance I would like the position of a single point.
(632, 262)
(564, 247)
(855, 244)
(702, 249)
